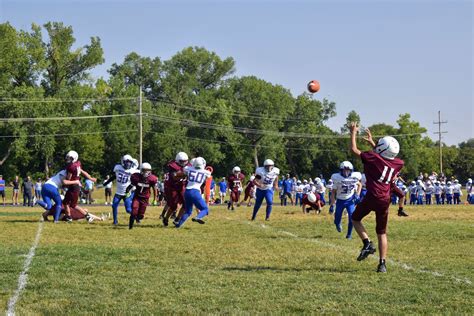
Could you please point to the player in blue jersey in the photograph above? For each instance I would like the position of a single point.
(345, 194)
(196, 175)
(266, 180)
(122, 172)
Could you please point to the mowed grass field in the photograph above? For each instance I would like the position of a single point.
(295, 263)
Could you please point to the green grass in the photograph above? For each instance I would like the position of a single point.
(295, 263)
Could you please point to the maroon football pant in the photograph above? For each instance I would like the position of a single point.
(235, 196)
(379, 206)
(71, 198)
(139, 206)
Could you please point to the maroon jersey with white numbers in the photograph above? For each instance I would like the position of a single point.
(143, 185)
(75, 170)
(380, 173)
(235, 182)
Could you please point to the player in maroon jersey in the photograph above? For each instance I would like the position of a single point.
(234, 184)
(174, 186)
(249, 190)
(143, 183)
(310, 202)
(74, 171)
(381, 167)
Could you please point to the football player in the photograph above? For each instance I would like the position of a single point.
(50, 192)
(469, 191)
(448, 190)
(234, 181)
(174, 186)
(122, 172)
(346, 191)
(266, 180)
(74, 171)
(457, 192)
(313, 201)
(413, 188)
(437, 192)
(420, 192)
(429, 191)
(143, 183)
(249, 190)
(299, 193)
(320, 188)
(196, 175)
(381, 168)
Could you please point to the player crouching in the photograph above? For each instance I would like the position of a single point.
(311, 202)
(143, 182)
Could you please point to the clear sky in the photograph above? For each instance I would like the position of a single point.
(380, 58)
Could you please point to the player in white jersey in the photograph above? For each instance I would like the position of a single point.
(266, 180)
(448, 191)
(346, 190)
(429, 191)
(122, 173)
(457, 192)
(469, 191)
(438, 190)
(50, 191)
(330, 186)
(320, 188)
(196, 175)
(299, 193)
(363, 191)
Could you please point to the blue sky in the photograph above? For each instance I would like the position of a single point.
(380, 58)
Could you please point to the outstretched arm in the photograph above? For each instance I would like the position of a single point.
(111, 178)
(354, 129)
(88, 176)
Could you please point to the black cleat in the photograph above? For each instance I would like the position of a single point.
(198, 220)
(382, 268)
(366, 250)
(130, 223)
(165, 222)
(402, 213)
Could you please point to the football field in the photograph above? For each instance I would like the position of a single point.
(295, 263)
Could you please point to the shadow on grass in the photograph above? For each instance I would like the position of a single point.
(35, 220)
(289, 269)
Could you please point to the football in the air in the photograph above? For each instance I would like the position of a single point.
(313, 86)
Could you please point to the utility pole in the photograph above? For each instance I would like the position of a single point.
(140, 114)
(439, 132)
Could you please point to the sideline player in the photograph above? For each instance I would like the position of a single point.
(196, 175)
(345, 195)
(74, 171)
(381, 167)
(266, 180)
(143, 183)
(234, 181)
(122, 172)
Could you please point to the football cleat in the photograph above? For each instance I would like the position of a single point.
(339, 228)
(402, 213)
(198, 220)
(382, 268)
(366, 250)
(131, 221)
(165, 222)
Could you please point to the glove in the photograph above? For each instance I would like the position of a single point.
(128, 194)
(331, 209)
(155, 203)
(356, 199)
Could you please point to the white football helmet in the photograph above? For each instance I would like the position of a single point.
(182, 158)
(312, 197)
(236, 170)
(252, 178)
(388, 147)
(199, 163)
(346, 168)
(127, 162)
(469, 180)
(456, 181)
(317, 180)
(145, 169)
(268, 164)
(135, 163)
(448, 183)
(72, 156)
(413, 183)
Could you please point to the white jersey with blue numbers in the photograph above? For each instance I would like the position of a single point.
(57, 179)
(267, 177)
(438, 189)
(196, 177)
(457, 188)
(346, 187)
(122, 177)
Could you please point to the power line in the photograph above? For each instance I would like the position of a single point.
(246, 130)
(12, 100)
(60, 118)
(248, 115)
(68, 134)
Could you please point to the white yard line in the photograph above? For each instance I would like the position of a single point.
(23, 278)
(334, 246)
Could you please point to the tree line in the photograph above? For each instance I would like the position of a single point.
(191, 102)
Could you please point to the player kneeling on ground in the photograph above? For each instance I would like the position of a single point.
(143, 182)
(197, 175)
(311, 201)
(75, 215)
(381, 167)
